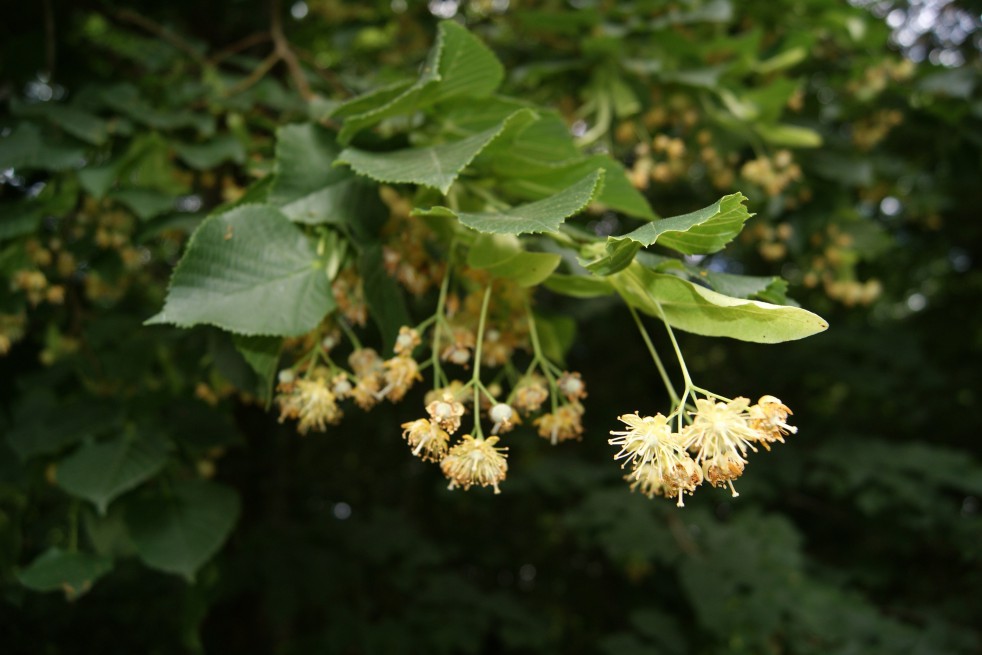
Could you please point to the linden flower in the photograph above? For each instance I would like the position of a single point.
(365, 362)
(503, 417)
(720, 428)
(366, 391)
(446, 412)
(407, 340)
(495, 350)
(644, 440)
(459, 349)
(341, 386)
(721, 470)
(455, 389)
(427, 440)
(654, 479)
(288, 401)
(565, 423)
(401, 372)
(681, 475)
(769, 418)
(572, 386)
(317, 406)
(530, 393)
(475, 461)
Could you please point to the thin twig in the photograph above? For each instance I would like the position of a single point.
(286, 53)
(264, 67)
(239, 46)
(129, 16)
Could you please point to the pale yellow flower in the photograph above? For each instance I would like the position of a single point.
(427, 440)
(446, 412)
(365, 362)
(455, 389)
(769, 418)
(530, 393)
(461, 344)
(645, 439)
(503, 417)
(407, 340)
(341, 386)
(572, 386)
(475, 462)
(496, 349)
(563, 424)
(721, 470)
(366, 391)
(401, 372)
(719, 428)
(317, 406)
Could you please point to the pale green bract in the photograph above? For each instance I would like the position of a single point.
(699, 310)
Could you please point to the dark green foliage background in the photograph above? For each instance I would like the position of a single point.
(861, 535)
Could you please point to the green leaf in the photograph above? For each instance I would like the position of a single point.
(433, 166)
(249, 271)
(459, 65)
(695, 309)
(71, 572)
(307, 186)
(80, 124)
(263, 356)
(211, 153)
(26, 148)
(382, 295)
(542, 216)
(181, 529)
(97, 180)
(502, 256)
(43, 424)
(100, 472)
(769, 288)
(19, 218)
(617, 193)
(145, 203)
(701, 232)
(126, 99)
(578, 286)
(704, 231)
(789, 136)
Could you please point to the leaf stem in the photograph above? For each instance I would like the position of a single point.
(654, 356)
(348, 332)
(476, 377)
(438, 316)
(675, 345)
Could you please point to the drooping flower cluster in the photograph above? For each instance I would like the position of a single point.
(313, 399)
(713, 447)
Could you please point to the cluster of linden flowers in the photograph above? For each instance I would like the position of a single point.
(313, 391)
(313, 399)
(712, 447)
